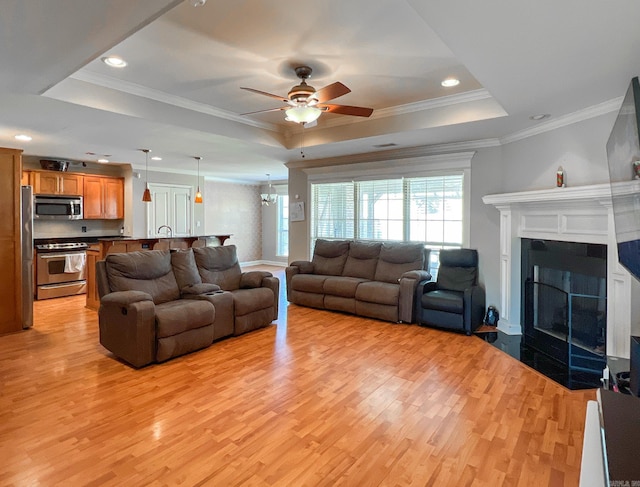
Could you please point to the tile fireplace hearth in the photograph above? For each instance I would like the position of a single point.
(541, 362)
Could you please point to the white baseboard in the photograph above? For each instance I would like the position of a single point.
(263, 262)
(509, 328)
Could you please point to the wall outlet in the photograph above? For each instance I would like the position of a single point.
(83, 229)
(198, 224)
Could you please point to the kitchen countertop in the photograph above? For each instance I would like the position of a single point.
(112, 239)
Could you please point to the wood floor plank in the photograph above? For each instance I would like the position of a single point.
(319, 399)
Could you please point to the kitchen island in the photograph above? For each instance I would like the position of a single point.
(109, 245)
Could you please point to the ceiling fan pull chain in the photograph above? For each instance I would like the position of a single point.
(302, 142)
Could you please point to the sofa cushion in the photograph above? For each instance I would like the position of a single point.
(378, 292)
(175, 317)
(329, 256)
(396, 258)
(456, 278)
(362, 259)
(184, 268)
(447, 301)
(219, 265)
(308, 283)
(342, 286)
(149, 271)
(247, 301)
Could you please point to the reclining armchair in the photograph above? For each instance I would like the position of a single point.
(455, 301)
(255, 293)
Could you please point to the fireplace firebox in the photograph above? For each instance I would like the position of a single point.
(564, 309)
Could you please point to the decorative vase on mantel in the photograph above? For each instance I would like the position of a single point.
(560, 177)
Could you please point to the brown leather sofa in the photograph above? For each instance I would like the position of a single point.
(372, 279)
(154, 305)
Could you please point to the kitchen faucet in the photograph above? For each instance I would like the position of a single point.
(169, 231)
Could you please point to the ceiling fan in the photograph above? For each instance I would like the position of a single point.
(305, 104)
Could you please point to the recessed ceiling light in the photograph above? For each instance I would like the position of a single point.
(114, 61)
(103, 161)
(23, 137)
(540, 116)
(449, 82)
(156, 158)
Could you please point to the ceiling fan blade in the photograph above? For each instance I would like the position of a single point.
(265, 111)
(271, 95)
(329, 92)
(348, 110)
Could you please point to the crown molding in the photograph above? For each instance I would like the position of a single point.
(162, 97)
(565, 120)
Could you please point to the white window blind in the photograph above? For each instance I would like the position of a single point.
(333, 211)
(422, 209)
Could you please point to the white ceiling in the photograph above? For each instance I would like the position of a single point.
(180, 93)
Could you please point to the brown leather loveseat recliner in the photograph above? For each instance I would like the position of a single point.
(154, 305)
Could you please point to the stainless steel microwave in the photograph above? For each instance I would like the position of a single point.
(57, 207)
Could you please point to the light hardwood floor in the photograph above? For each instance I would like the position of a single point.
(320, 399)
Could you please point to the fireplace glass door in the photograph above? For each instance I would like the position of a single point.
(565, 302)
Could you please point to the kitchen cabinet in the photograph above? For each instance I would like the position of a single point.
(10, 241)
(52, 182)
(26, 178)
(103, 198)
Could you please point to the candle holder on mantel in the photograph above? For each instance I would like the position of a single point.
(560, 178)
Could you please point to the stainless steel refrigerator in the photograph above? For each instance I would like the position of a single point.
(26, 215)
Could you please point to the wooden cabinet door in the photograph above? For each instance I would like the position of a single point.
(26, 181)
(113, 207)
(10, 241)
(45, 182)
(70, 184)
(93, 300)
(93, 196)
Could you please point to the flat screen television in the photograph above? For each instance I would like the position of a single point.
(623, 154)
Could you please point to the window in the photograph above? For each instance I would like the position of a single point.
(425, 209)
(283, 225)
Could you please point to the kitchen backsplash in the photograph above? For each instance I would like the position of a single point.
(62, 229)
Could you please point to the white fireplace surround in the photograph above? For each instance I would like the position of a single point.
(581, 214)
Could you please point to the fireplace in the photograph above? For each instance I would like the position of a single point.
(574, 216)
(564, 301)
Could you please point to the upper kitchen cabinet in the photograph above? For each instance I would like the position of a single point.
(52, 182)
(103, 198)
(26, 178)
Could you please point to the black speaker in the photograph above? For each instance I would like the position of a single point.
(634, 372)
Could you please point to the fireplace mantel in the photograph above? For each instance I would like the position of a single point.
(573, 214)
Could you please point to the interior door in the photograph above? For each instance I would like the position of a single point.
(170, 205)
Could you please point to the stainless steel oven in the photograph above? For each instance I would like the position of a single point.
(60, 269)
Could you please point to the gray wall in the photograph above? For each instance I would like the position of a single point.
(270, 227)
(526, 164)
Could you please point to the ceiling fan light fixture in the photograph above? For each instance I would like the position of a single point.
(302, 114)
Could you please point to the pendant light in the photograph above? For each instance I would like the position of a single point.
(146, 196)
(198, 198)
(270, 197)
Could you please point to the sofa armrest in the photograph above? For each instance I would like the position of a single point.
(304, 266)
(125, 298)
(474, 302)
(128, 327)
(196, 289)
(253, 279)
(409, 281)
(273, 283)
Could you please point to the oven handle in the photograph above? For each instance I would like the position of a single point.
(62, 284)
(57, 256)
